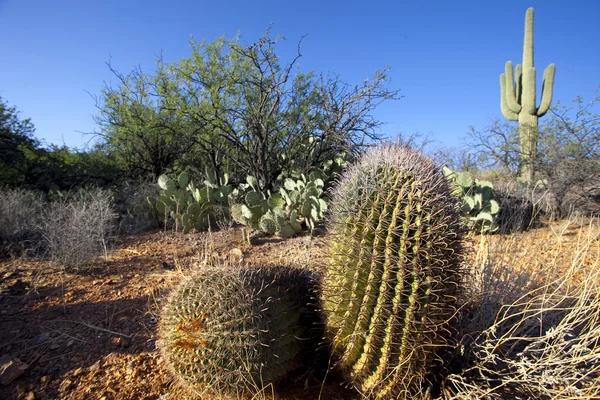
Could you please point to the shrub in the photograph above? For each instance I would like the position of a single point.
(518, 207)
(135, 213)
(76, 226)
(20, 212)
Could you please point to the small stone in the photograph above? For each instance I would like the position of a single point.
(11, 369)
(52, 369)
(95, 366)
(65, 385)
(70, 343)
(45, 379)
(42, 337)
(150, 345)
(120, 341)
(236, 252)
(30, 396)
(55, 346)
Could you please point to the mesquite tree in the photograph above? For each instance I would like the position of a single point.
(238, 108)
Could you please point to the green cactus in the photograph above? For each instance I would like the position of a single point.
(395, 253)
(479, 210)
(232, 332)
(176, 197)
(518, 99)
(306, 196)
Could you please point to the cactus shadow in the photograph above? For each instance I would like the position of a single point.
(56, 335)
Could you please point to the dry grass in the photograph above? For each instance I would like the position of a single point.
(20, 212)
(530, 322)
(76, 227)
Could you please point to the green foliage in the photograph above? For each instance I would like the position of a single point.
(478, 208)
(140, 123)
(235, 331)
(25, 163)
(394, 266)
(237, 108)
(16, 138)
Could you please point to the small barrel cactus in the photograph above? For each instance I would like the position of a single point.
(232, 332)
(395, 257)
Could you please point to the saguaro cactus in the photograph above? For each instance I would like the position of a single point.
(518, 103)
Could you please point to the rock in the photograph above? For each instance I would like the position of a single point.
(30, 396)
(95, 366)
(52, 369)
(236, 252)
(120, 341)
(11, 369)
(45, 379)
(65, 385)
(150, 345)
(42, 337)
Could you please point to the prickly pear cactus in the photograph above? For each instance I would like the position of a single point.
(479, 210)
(234, 331)
(390, 288)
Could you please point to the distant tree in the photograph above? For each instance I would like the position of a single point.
(139, 122)
(237, 108)
(16, 138)
(568, 153)
(496, 146)
(569, 156)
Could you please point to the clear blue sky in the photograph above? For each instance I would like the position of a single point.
(445, 56)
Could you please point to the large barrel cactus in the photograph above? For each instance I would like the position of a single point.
(395, 258)
(233, 332)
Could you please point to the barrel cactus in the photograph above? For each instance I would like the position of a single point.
(232, 332)
(392, 280)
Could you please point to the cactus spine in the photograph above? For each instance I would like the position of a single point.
(395, 245)
(518, 99)
(232, 332)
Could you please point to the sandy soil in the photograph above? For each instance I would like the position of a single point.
(92, 334)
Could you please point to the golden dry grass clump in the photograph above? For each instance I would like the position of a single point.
(530, 323)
